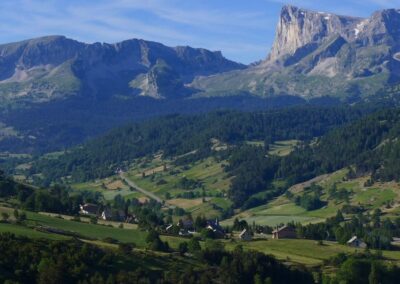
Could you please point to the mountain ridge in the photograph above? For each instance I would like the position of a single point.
(363, 61)
(42, 68)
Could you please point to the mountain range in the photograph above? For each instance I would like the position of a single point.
(52, 67)
(56, 92)
(314, 54)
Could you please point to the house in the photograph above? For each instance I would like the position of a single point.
(185, 224)
(106, 214)
(185, 233)
(356, 242)
(214, 226)
(245, 235)
(89, 209)
(284, 232)
(121, 215)
(131, 218)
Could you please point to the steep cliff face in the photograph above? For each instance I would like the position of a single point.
(298, 28)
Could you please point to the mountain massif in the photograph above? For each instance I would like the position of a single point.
(68, 90)
(321, 54)
(314, 54)
(52, 67)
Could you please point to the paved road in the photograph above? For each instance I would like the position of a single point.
(136, 187)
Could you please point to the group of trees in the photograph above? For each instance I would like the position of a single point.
(377, 233)
(37, 261)
(361, 268)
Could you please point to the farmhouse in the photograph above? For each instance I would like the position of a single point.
(356, 242)
(214, 226)
(245, 235)
(284, 232)
(89, 209)
(185, 224)
(106, 214)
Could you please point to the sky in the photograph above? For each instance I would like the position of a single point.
(242, 29)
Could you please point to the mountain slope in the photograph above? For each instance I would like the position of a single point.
(318, 54)
(47, 68)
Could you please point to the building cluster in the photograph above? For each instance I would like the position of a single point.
(107, 213)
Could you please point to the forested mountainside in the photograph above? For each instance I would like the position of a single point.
(180, 134)
(370, 144)
(59, 125)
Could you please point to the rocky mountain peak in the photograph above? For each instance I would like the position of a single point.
(300, 27)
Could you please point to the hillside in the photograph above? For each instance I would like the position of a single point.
(177, 135)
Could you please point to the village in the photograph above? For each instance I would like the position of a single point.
(204, 228)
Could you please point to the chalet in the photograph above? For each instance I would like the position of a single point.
(89, 209)
(214, 226)
(106, 214)
(284, 232)
(185, 224)
(356, 242)
(121, 216)
(245, 235)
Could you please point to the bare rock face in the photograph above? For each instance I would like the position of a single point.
(298, 27)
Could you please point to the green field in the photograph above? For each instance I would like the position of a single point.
(85, 230)
(307, 252)
(109, 187)
(282, 148)
(28, 232)
(162, 177)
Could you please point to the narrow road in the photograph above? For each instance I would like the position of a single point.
(145, 192)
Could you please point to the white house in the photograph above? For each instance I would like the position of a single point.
(356, 242)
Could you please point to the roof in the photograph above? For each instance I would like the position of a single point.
(89, 207)
(352, 240)
(280, 229)
(243, 232)
(107, 212)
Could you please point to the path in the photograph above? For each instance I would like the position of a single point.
(138, 188)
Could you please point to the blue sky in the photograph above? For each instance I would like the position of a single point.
(242, 29)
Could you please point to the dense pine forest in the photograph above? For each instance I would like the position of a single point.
(179, 134)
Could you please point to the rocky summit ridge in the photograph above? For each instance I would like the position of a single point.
(321, 54)
(314, 54)
(52, 67)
